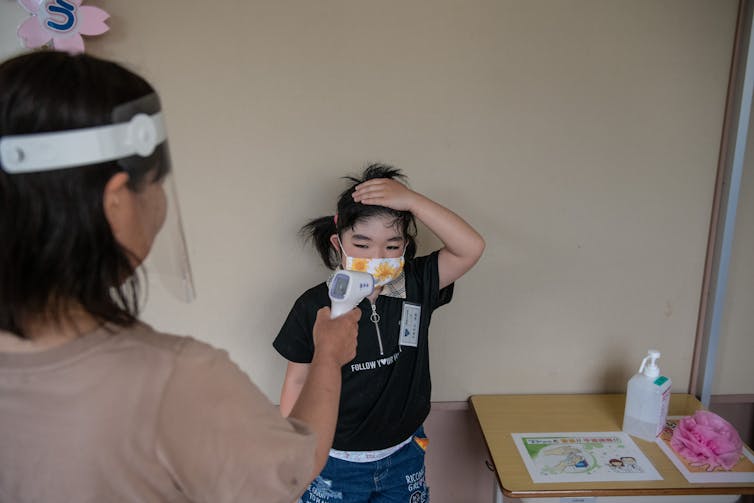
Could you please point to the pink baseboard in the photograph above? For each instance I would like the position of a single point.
(456, 456)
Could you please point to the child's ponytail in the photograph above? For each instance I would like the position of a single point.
(319, 231)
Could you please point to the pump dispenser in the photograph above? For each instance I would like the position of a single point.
(650, 369)
(647, 400)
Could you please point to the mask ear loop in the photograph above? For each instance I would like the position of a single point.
(342, 250)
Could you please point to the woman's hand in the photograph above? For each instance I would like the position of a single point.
(336, 338)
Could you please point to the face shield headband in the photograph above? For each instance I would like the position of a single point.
(136, 141)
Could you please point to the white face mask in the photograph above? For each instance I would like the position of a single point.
(384, 270)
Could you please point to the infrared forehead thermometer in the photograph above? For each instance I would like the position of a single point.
(348, 289)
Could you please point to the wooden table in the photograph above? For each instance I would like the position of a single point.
(501, 415)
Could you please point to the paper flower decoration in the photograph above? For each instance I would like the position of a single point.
(707, 439)
(61, 23)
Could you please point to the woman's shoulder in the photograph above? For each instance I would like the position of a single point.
(184, 357)
(142, 333)
(143, 337)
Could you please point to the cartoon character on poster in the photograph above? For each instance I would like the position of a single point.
(60, 24)
(573, 460)
(626, 464)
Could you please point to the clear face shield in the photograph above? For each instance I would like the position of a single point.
(137, 142)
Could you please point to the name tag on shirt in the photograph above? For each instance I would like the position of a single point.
(410, 322)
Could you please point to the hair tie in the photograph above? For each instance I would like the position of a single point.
(335, 219)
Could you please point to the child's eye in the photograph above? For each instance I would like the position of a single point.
(360, 246)
(392, 247)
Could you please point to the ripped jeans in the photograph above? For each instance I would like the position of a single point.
(398, 478)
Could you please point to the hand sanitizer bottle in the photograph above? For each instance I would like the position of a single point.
(647, 400)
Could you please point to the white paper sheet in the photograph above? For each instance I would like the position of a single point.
(583, 457)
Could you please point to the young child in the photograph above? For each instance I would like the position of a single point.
(378, 450)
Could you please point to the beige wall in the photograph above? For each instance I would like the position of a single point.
(11, 15)
(580, 137)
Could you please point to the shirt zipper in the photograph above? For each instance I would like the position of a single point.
(376, 320)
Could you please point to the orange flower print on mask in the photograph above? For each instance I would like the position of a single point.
(359, 264)
(384, 273)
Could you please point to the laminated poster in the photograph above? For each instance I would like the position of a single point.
(742, 472)
(583, 457)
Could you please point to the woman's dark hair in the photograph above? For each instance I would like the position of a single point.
(349, 213)
(57, 248)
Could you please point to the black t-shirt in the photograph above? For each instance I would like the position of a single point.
(384, 397)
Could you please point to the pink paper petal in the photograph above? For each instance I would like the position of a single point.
(92, 20)
(32, 34)
(73, 44)
(706, 439)
(30, 6)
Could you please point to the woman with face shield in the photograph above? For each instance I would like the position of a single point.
(94, 404)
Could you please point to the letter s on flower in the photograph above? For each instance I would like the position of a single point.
(60, 23)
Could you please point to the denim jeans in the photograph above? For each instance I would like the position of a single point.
(398, 478)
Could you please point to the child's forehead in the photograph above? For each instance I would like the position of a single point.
(377, 226)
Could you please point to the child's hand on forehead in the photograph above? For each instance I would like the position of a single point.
(385, 192)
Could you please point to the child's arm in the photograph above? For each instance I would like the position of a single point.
(463, 245)
(295, 378)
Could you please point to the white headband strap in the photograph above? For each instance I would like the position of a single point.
(81, 147)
